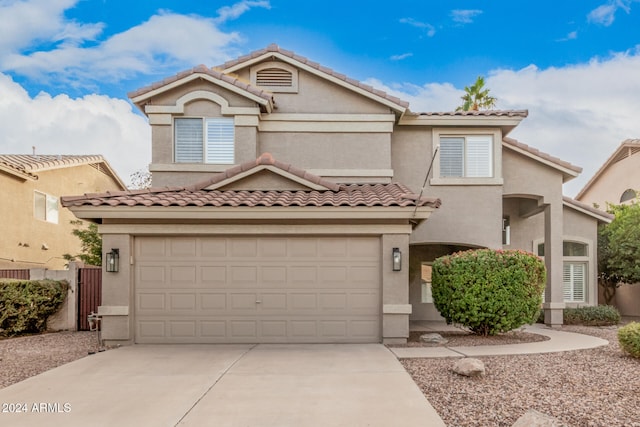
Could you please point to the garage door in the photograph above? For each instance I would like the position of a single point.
(257, 289)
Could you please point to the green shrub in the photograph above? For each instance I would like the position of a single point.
(629, 338)
(488, 291)
(602, 315)
(25, 305)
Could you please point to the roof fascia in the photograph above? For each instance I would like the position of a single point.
(225, 85)
(17, 173)
(567, 174)
(601, 171)
(272, 169)
(267, 55)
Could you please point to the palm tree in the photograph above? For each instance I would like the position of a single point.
(476, 97)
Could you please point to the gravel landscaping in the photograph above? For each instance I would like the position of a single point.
(597, 387)
(24, 357)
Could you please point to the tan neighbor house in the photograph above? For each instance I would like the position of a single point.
(35, 229)
(288, 206)
(618, 182)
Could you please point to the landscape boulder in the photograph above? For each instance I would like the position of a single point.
(533, 418)
(433, 339)
(469, 367)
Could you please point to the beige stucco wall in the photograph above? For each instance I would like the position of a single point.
(23, 236)
(617, 178)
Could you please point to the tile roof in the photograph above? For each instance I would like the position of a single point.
(336, 195)
(290, 54)
(266, 159)
(354, 195)
(517, 144)
(202, 69)
(606, 216)
(28, 166)
(495, 113)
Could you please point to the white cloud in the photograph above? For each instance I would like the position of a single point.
(464, 16)
(157, 46)
(578, 113)
(573, 35)
(429, 29)
(93, 124)
(605, 14)
(227, 13)
(401, 56)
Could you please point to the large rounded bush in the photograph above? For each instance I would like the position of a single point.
(488, 291)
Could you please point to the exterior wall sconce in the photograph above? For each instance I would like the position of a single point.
(397, 259)
(113, 260)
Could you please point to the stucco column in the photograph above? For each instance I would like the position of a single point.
(116, 292)
(395, 290)
(554, 300)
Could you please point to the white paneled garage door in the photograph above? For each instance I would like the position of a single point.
(257, 289)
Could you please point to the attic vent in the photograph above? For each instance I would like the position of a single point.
(274, 77)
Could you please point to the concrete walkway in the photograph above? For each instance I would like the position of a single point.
(223, 385)
(558, 341)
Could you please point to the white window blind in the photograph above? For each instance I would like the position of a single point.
(452, 157)
(210, 140)
(574, 281)
(478, 156)
(466, 156)
(188, 140)
(220, 141)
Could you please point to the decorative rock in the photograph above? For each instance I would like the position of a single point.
(433, 339)
(533, 418)
(469, 367)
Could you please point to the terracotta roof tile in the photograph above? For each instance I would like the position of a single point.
(542, 155)
(354, 195)
(306, 61)
(498, 113)
(213, 72)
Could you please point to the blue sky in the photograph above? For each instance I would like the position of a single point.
(67, 65)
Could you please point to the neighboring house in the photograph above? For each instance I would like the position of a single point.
(288, 206)
(36, 231)
(618, 182)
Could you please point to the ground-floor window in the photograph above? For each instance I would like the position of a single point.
(575, 267)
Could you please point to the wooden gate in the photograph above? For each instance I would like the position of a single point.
(14, 274)
(89, 294)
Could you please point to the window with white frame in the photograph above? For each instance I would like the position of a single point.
(469, 156)
(45, 207)
(575, 267)
(204, 140)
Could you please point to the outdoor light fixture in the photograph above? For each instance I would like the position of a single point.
(397, 259)
(113, 260)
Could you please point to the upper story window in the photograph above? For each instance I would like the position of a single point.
(204, 140)
(467, 157)
(45, 207)
(275, 76)
(628, 194)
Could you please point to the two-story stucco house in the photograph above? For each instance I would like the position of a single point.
(618, 182)
(36, 231)
(294, 204)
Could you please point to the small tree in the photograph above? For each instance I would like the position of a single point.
(488, 291)
(91, 244)
(140, 179)
(477, 97)
(619, 249)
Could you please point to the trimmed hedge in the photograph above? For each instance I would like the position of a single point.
(488, 291)
(25, 305)
(602, 315)
(629, 338)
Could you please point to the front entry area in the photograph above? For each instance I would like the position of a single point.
(250, 289)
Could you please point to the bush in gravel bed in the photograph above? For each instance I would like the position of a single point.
(25, 305)
(629, 338)
(602, 315)
(488, 291)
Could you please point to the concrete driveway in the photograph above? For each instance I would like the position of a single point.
(223, 385)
